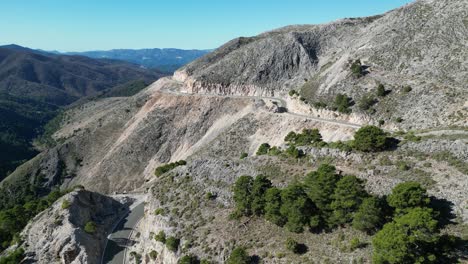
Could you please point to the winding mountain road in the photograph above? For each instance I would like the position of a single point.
(120, 239)
(280, 103)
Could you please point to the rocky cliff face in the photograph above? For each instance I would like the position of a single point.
(422, 45)
(57, 235)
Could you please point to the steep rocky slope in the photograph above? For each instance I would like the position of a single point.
(232, 100)
(423, 45)
(58, 234)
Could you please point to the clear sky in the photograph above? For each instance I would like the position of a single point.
(78, 25)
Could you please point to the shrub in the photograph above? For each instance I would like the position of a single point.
(274, 151)
(292, 245)
(273, 205)
(381, 90)
(243, 155)
(292, 93)
(369, 216)
(66, 204)
(172, 243)
(159, 211)
(296, 207)
(355, 243)
(356, 68)
(260, 185)
(319, 105)
(294, 152)
(342, 103)
(407, 195)
(160, 237)
(242, 195)
(370, 139)
(90, 227)
(403, 165)
(188, 259)
(366, 103)
(399, 120)
(153, 254)
(263, 149)
(239, 256)
(410, 238)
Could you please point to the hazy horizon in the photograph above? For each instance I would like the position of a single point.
(64, 26)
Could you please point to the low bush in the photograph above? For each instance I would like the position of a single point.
(263, 149)
(160, 237)
(90, 227)
(172, 243)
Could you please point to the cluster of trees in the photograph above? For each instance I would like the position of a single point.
(405, 226)
(13, 257)
(15, 218)
(324, 200)
(168, 167)
(366, 139)
(413, 235)
(291, 151)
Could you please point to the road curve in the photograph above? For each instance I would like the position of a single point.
(281, 103)
(119, 240)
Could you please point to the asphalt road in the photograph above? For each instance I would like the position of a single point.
(119, 239)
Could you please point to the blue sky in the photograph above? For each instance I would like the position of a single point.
(79, 25)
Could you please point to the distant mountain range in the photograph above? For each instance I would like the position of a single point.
(35, 85)
(166, 60)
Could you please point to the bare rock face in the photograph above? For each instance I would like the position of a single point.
(423, 45)
(57, 235)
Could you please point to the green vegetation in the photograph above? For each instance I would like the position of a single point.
(381, 90)
(239, 256)
(168, 167)
(342, 104)
(90, 227)
(13, 257)
(293, 93)
(13, 218)
(159, 211)
(66, 204)
(242, 195)
(356, 68)
(306, 138)
(370, 139)
(369, 216)
(259, 187)
(296, 207)
(408, 195)
(398, 119)
(153, 254)
(172, 243)
(189, 259)
(325, 199)
(160, 237)
(292, 245)
(409, 238)
(366, 102)
(263, 149)
(348, 195)
(243, 155)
